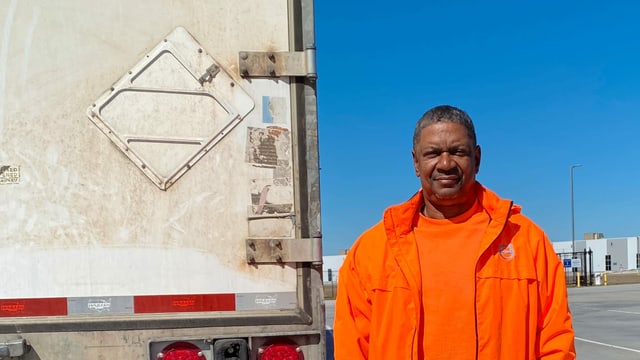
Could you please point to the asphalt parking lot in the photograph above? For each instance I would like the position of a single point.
(606, 320)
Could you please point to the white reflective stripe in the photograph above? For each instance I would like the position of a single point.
(100, 305)
(264, 300)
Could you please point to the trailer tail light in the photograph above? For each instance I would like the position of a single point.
(280, 352)
(181, 351)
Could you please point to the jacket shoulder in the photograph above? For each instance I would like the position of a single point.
(368, 256)
(526, 231)
(369, 245)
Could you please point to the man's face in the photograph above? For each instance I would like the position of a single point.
(447, 161)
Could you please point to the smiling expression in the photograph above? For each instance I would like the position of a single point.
(446, 160)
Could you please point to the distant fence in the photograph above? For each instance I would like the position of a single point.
(578, 265)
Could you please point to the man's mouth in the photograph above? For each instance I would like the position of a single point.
(447, 180)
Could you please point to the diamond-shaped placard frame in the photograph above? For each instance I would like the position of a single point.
(171, 108)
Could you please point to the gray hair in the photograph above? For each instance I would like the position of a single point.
(445, 113)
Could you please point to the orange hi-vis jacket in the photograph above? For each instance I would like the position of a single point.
(521, 309)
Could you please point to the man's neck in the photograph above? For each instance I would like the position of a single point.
(447, 212)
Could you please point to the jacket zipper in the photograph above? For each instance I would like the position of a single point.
(475, 305)
(475, 284)
(415, 327)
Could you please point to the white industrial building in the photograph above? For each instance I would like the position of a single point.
(330, 266)
(609, 254)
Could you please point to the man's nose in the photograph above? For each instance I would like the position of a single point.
(446, 162)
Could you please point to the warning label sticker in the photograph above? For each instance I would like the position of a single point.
(9, 174)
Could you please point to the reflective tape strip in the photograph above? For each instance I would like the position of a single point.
(267, 301)
(33, 307)
(146, 304)
(106, 305)
(183, 303)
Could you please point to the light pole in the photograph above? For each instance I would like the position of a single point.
(573, 235)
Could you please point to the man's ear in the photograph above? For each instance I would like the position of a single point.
(477, 155)
(415, 162)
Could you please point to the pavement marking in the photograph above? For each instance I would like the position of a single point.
(625, 312)
(608, 345)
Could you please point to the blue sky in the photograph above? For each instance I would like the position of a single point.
(548, 84)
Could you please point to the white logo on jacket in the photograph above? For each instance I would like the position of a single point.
(507, 251)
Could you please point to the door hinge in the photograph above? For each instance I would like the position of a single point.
(277, 64)
(284, 250)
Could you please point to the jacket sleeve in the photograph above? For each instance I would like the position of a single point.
(555, 340)
(351, 327)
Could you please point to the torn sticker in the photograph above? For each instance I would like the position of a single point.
(269, 198)
(268, 147)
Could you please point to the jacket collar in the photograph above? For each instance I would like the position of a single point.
(399, 220)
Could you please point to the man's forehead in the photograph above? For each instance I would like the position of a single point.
(445, 130)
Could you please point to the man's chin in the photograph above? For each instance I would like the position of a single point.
(448, 193)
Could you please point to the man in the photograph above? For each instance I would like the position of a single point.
(454, 273)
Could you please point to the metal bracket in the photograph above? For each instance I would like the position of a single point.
(277, 64)
(13, 349)
(281, 250)
(211, 72)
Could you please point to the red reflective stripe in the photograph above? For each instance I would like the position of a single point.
(183, 303)
(33, 307)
